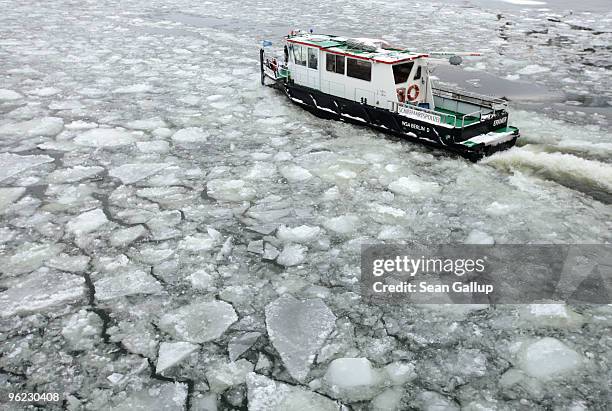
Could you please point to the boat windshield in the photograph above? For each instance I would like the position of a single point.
(401, 72)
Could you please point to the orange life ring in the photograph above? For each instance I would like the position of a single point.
(412, 88)
(401, 95)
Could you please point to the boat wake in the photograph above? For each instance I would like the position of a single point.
(591, 177)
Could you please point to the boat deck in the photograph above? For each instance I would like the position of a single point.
(456, 121)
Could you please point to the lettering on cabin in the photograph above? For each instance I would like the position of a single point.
(419, 115)
(500, 121)
(415, 126)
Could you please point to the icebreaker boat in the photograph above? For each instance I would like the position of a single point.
(367, 81)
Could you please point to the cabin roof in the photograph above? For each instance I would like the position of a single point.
(383, 53)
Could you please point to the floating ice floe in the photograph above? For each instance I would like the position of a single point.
(104, 137)
(265, 394)
(199, 322)
(230, 190)
(125, 236)
(131, 173)
(201, 280)
(157, 147)
(13, 164)
(8, 195)
(295, 174)
(190, 135)
(431, 400)
(533, 68)
(8, 95)
(479, 237)
(261, 171)
(126, 283)
(28, 257)
(292, 254)
(45, 91)
(73, 174)
(149, 124)
(223, 375)
(353, 379)
(548, 358)
(301, 234)
(344, 224)
(66, 105)
(71, 263)
(298, 329)
(41, 290)
(413, 185)
(82, 330)
(134, 88)
(172, 353)
(165, 396)
(87, 222)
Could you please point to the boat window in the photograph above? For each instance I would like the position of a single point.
(299, 55)
(359, 69)
(417, 76)
(334, 63)
(401, 72)
(313, 57)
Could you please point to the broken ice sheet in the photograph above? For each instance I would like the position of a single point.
(200, 321)
(126, 283)
(297, 330)
(265, 394)
(41, 290)
(172, 353)
(12, 164)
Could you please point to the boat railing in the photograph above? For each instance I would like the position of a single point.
(444, 117)
(470, 98)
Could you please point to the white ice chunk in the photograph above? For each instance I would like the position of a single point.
(292, 254)
(344, 224)
(230, 190)
(265, 394)
(82, 330)
(166, 397)
(548, 358)
(134, 88)
(298, 329)
(479, 237)
(146, 124)
(198, 243)
(201, 279)
(190, 135)
(158, 146)
(126, 283)
(400, 372)
(28, 257)
(223, 375)
(261, 171)
(388, 400)
(131, 173)
(433, 401)
(171, 354)
(125, 236)
(73, 174)
(352, 379)
(413, 185)
(8, 195)
(45, 91)
(41, 291)
(12, 164)
(87, 222)
(46, 126)
(533, 68)
(65, 262)
(294, 173)
(301, 234)
(7, 95)
(104, 137)
(199, 322)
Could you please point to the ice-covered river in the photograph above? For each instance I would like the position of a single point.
(174, 235)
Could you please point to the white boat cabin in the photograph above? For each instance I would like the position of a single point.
(363, 70)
